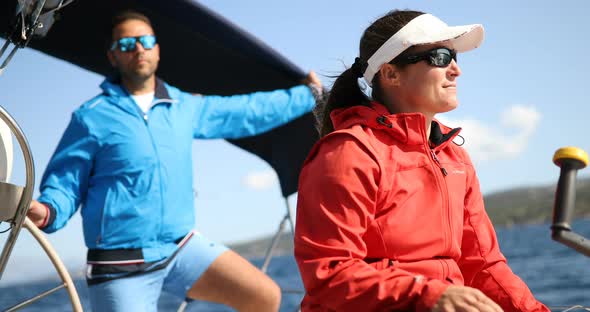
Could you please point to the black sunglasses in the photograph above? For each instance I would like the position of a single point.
(438, 57)
(129, 43)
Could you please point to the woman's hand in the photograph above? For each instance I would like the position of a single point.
(465, 299)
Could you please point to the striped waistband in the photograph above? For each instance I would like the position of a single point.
(124, 256)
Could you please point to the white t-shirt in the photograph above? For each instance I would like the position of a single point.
(144, 101)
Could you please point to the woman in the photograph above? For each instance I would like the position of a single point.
(389, 214)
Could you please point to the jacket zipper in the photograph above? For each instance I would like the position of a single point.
(445, 195)
(445, 198)
(442, 169)
(145, 118)
(154, 103)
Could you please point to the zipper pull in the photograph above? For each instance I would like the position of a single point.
(442, 169)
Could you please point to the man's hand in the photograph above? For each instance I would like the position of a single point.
(465, 299)
(312, 79)
(38, 213)
(317, 90)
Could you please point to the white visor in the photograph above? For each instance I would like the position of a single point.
(424, 29)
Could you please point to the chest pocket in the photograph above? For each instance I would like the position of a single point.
(456, 178)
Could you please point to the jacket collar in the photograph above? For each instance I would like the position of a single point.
(112, 87)
(408, 128)
(120, 97)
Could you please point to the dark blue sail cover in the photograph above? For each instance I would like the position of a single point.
(202, 52)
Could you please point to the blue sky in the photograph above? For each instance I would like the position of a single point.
(522, 95)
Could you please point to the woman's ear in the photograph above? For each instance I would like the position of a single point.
(389, 75)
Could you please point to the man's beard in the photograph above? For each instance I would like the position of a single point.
(138, 75)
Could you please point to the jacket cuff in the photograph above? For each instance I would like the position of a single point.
(56, 201)
(50, 217)
(432, 291)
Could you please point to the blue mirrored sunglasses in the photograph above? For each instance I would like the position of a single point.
(126, 44)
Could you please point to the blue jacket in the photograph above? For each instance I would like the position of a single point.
(132, 172)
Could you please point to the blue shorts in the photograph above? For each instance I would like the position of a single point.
(141, 292)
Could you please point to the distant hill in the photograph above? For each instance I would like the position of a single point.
(533, 204)
(505, 208)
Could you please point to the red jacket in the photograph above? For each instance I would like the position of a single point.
(385, 223)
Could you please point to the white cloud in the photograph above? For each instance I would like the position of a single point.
(507, 138)
(261, 180)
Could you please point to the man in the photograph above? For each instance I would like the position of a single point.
(125, 158)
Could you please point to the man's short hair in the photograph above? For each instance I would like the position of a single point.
(126, 15)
